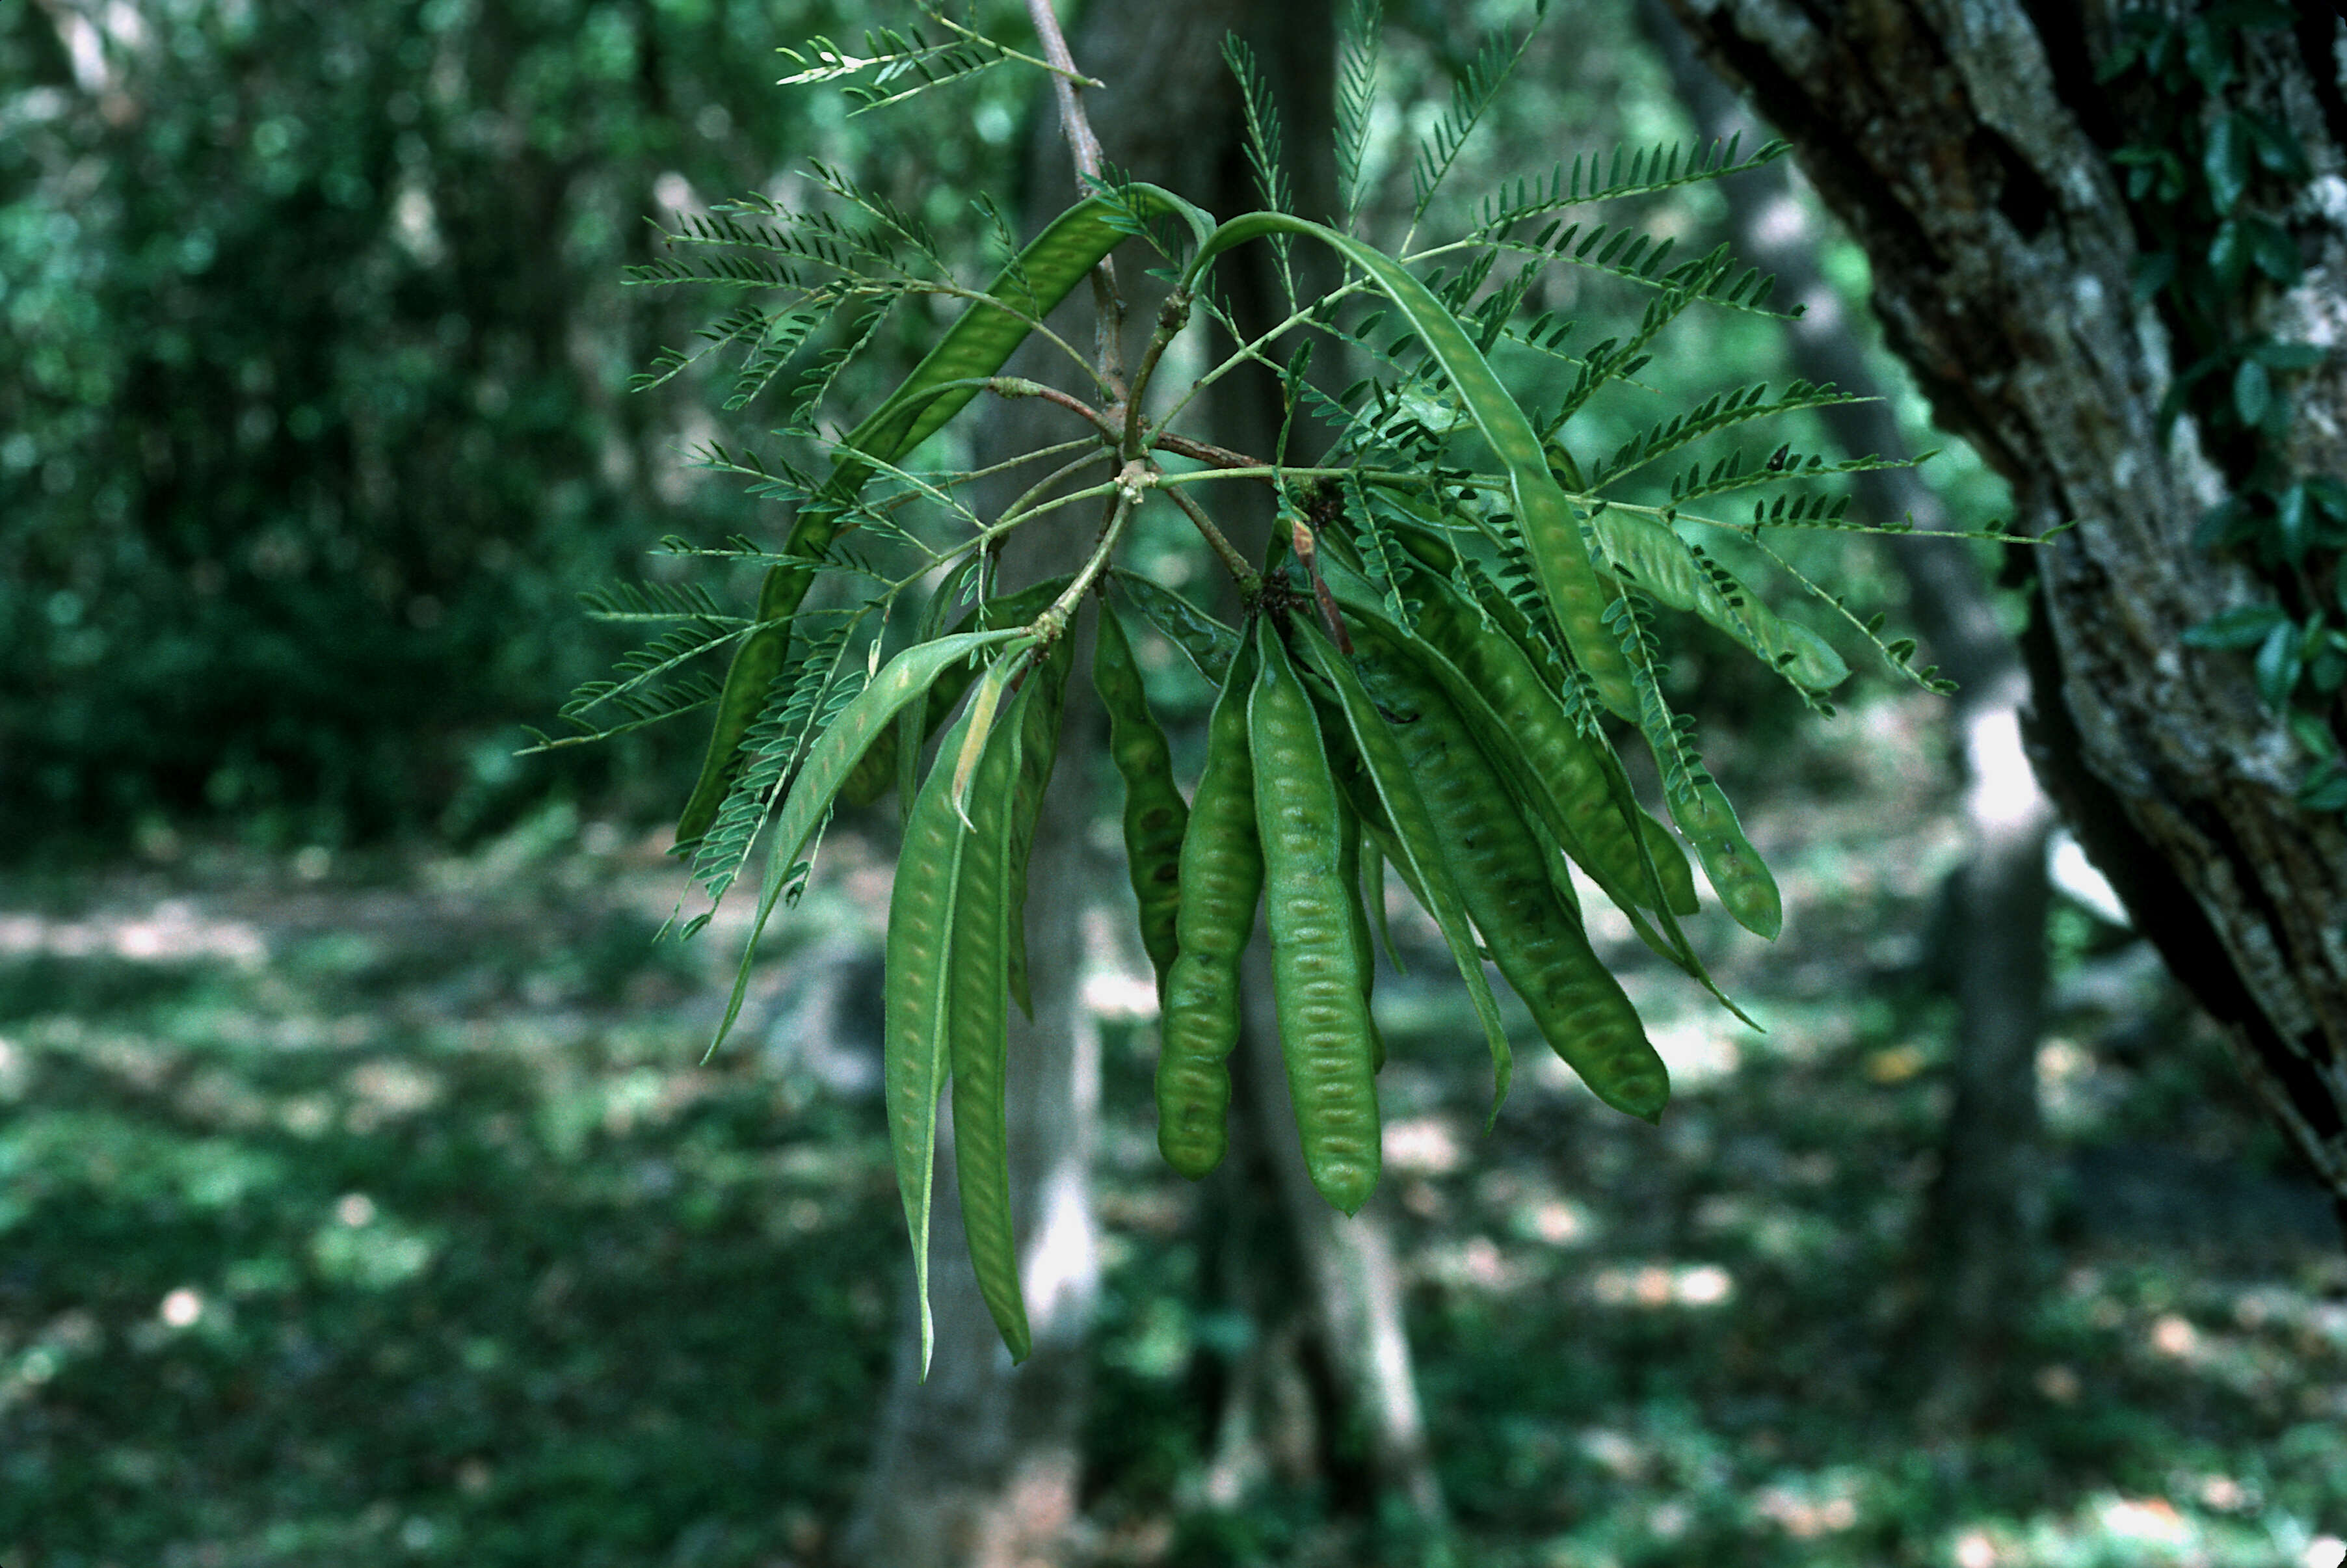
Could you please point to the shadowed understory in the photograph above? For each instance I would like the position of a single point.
(394, 1218)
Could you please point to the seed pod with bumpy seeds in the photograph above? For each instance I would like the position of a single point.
(1154, 815)
(1316, 956)
(1410, 834)
(1538, 944)
(1221, 878)
(1593, 808)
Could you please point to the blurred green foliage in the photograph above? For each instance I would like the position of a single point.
(317, 420)
(314, 422)
(304, 1260)
(364, 1219)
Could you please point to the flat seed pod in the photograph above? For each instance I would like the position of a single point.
(874, 773)
(1595, 812)
(916, 1005)
(1668, 861)
(1348, 873)
(1038, 753)
(1741, 878)
(1651, 554)
(829, 761)
(1418, 848)
(976, 998)
(1523, 781)
(1209, 643)
(754, 668)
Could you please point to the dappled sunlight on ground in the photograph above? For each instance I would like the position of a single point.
(397, 1217)
(173, 931)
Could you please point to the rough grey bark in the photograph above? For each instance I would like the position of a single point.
(1957, 138)
(1987, 1205)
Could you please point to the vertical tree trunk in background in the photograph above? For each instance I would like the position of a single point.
(1348, 1273)
(979, 1467)
(1329, 1317)
(1987, 1205)
(1957, 141)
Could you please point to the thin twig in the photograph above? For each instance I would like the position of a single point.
(1019, 386)
(1018, 511)
(1108, 304)
(1207, 452)
(1129, 486)
(1074, 121)
(1171, 317)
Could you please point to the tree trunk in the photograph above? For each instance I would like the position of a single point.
(1987, 1205)
(1349, 1275)
(980, 1466)
(1958, 139)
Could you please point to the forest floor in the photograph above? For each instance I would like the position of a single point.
(385, 1212)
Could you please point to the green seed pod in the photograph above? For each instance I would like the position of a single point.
(1649, 552)
(1411, 840)
(1348, 872)
(1536, 941)
(978, 1018)
(1591, 807)
(1154, 815)
(755, 664)
(917, 1005)
(1747, 891)
(1317, 960)
(1207, 642)
(874, 773)
(1039, 752)
(1221, 876)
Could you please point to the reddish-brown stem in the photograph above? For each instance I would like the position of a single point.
(1307, 551)
(1204, 452)
(1102, 420)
